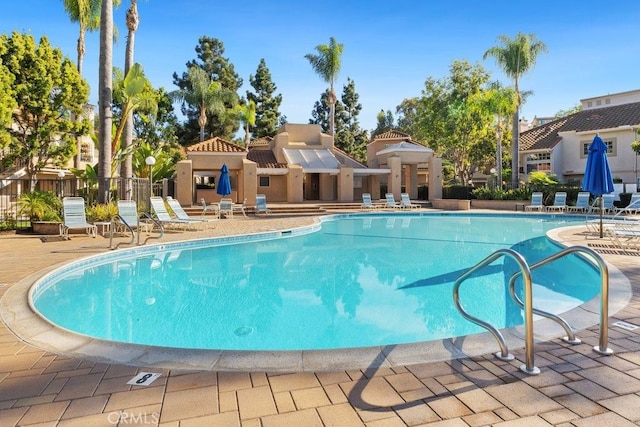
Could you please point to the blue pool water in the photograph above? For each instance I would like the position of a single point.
(354, 281)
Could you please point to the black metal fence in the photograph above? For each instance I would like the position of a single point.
(12, 191)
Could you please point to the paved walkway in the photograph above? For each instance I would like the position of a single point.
(577, 387)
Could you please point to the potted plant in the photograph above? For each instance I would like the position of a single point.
(43, 209)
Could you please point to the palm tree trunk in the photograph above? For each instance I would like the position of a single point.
(515, 164)
(81, 51)
(105, 98)
(126, 168)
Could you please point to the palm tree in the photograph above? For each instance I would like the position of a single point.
(516, 56)
(133, 19)
(207, 95)
(247, 115)
(105, 98)
(87, 14)
(501, 102)
(327, 65)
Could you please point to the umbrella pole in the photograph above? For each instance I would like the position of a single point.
(601, 216)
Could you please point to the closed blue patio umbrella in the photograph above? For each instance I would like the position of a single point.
(597, 174)
(224, 182)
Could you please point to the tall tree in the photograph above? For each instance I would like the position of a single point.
(385, 123)
(7, 99)
(87, 14)
(246, 112)
(210, 97)
(218, 69)
(406, 113)
(447, 120)
(267, 105)
(133, 20)
(105, 99)
(516, 56)
(499, 102)
(326, 63)
(350, 137)
(48, 91)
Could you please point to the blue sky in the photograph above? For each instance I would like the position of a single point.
(390, 47)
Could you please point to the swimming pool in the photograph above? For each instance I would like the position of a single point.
(354, 281)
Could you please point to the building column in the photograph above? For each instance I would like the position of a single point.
(345, 184)
(435, 178)
(295, 184)
(394, 182)
(184, 182)
(248, 186)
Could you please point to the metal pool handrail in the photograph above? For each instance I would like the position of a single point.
(528, 367)
(604, 296)
(133, 234)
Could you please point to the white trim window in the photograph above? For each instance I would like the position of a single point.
(611, 143)
(539, 162)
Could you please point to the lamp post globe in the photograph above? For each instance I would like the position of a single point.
(150, 161)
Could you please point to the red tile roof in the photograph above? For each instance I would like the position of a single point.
(260, 142)
(546, 136)
(265, 159)
(215, 145)
(392, 134)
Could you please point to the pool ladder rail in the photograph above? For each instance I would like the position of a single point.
(525, 271)
(134, 235)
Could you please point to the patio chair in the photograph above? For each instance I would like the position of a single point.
(559, 202)
(632, 208)
(213, 207)
(75, 217)
(624, 235)
(366, 202)
(226, 208)
(536, 202)
(405, 202)
(391, 202)
(261, 204)
(241, 207)
(129, 218)
(607, 204)
(179, 212)
(582, 203)
(163, 216)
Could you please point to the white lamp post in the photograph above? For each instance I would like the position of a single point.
(150, 161)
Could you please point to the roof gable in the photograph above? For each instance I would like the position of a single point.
(547, 135)
(215, 145)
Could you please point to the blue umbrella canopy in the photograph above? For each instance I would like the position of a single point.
(597, 174)
(224, 183)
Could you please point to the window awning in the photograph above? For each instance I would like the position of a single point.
(313, 161)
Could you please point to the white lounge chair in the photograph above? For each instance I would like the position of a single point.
(632, 208)
(405, 202)
(559, 202)
(261, 204)
(607, 204)
(180, 213)
(536, 202)
(624, 235)
(391, 202)
(128, 216)
(160, 210)
(75, 217)
(582, 203)
(366, 202)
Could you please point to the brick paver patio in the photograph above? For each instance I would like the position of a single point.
(577, 387)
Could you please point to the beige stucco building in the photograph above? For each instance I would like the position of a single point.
(301, 164)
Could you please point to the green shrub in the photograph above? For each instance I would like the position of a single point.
(40, 206)
(102, 212)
